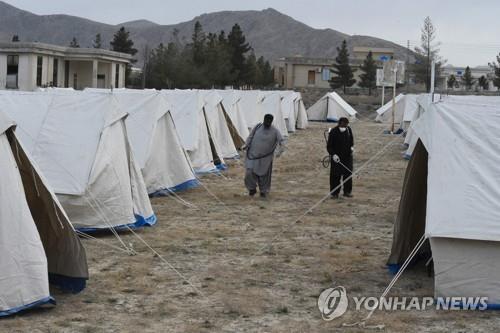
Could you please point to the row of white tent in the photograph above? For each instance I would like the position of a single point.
(88, 161)
(408, 108)
(450, 195)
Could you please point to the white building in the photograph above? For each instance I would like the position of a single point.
(476, 73)
(26, 66)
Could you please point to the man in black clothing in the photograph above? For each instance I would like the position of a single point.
(340, 147)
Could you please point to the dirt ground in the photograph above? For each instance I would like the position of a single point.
(253, 267)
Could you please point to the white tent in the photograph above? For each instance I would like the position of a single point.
(330, 107)
(300, 112)
(79, 142)
(231, 101)
(457, 155)
(406, 107)
(218, 124)
(192, 126)
(154, 141)
(288, 109)
(271, 104)
(423, 102)
(251, 104)
(37, 242)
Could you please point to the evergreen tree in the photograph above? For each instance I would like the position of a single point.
(467, 78)
(251, 74)
(452, 80)
(74, 43)
(239, 47)
(496, 68)
(217, 67)
(122, 43)
(198, 40)
(426, 54)
(97, 44)
(368, 79)
(266, 73)
(483, 83)
(343, 75)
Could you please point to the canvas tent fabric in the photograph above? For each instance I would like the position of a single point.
(79, 142)
(423, 102)
(458, 134)
(406, 106)
(271, 104)
(331, 107)
(288, 109)
(300, 112)
(217, 123)
(37, 242)
(154, 141)
(191, 123)
(251, 103)
(231, 100)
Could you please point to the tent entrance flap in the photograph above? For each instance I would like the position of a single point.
(410, 221)
(65, 254)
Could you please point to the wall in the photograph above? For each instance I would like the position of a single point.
(122, 76)
(27, 72)
(3, 71)
(105, 69)
(83, 70)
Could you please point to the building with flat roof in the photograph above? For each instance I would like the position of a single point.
(458, 72)
(27, 66)
(305, 72)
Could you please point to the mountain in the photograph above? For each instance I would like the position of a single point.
(270, 33)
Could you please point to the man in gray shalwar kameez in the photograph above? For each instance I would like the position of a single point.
(260, 146)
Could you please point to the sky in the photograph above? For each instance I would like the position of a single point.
(469, 31)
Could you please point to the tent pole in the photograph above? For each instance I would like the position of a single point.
(394, 100)
(383, 95)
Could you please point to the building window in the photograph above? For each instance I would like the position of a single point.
(12, 71)
(66, 74)
(55, 71)
(311, 77)
(39, 69)
(117, 76)
(325, 74)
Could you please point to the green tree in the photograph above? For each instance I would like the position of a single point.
(467, 78)
(452, 80)
(217, 67)
(198, 40)
(239, 47)
(97, 43)
(483, 82)
(122, 43)
(74, 43)
(265, 73)
(343, 75)
(368, 79)
(427, 53)
(496, 69)
(251, 74)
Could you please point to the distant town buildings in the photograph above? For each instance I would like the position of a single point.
(304, 72)
(26, 66)
(458, 72)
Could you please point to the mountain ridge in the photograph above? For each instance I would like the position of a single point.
(271, 33)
